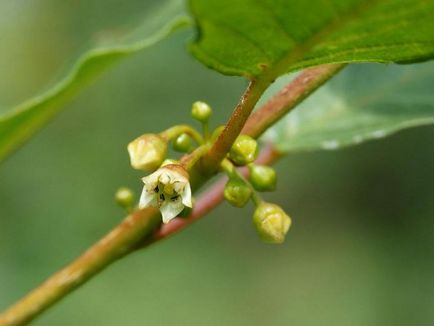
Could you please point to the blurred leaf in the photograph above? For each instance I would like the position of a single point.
(20, 123)
(272, 37)
(363, 102)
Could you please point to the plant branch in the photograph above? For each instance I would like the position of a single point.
(235, 124)
(116, 244)
(288, 98)
(134, 232)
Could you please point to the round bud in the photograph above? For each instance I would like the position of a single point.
(182, 143)
(271, 222)
(124, 197)
(263, 178)
(237, 193)
(244, 150)
(147, 152)
(201, 111)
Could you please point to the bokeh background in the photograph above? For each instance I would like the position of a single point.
(361, 250)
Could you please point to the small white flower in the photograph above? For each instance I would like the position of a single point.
(168, 189)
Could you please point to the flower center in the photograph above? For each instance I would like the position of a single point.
(166, 190)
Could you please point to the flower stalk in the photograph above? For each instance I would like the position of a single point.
(176, 131)
(233, 173)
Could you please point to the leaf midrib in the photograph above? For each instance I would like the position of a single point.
(300, 49)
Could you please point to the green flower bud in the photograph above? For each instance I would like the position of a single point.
(124, 197)
(263, 178)
(147, 152)
(182, 143)
(244, 150)
(271, 222)
(237, 193)
(201, 111)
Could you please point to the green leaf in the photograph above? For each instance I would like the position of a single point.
(271, 37)
(363, 102)
(20, 123)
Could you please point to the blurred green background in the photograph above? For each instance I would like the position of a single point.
(360, 252)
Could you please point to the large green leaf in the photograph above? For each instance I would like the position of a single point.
(363, 102)
(272, 37)
(20, 123)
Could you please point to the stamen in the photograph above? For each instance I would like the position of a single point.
(178, 186)
(162, 196)
(174, 198)
(156, 189)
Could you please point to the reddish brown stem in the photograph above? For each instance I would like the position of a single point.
(235, 124)
(119, 242)
(288, 98)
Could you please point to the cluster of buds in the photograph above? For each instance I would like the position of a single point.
(271, 222)
(168, 188)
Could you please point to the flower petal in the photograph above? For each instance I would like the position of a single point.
(186, 196)
(170, 210)
(176, 172)
(147, 198)
(151, 180)
(164, 177)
